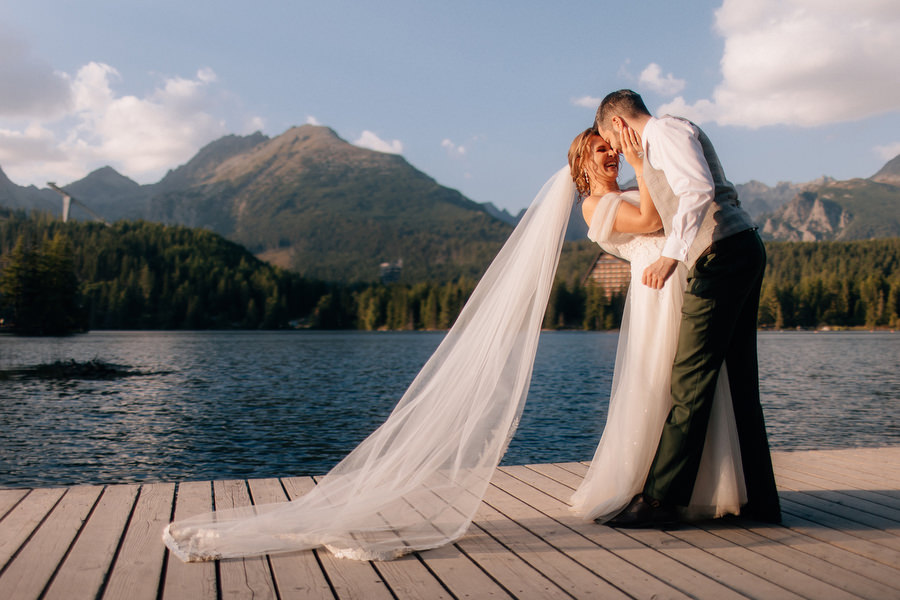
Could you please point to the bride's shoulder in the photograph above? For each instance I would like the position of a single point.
(591, 204)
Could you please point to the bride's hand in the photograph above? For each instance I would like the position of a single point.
(632, 148)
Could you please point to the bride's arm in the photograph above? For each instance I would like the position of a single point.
(630, 218)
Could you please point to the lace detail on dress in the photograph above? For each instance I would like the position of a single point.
(641, 250)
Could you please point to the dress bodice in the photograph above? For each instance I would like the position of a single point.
(639, 250)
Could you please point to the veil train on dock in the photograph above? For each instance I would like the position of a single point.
(416, 482)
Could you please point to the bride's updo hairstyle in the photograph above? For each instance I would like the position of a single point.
(577, 152)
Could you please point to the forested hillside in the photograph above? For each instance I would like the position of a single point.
(839, 284)
(139, 275)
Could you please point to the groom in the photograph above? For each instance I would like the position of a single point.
(708, 231)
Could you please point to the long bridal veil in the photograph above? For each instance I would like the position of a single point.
(416, 481)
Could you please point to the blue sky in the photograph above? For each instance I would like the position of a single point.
(483, 96)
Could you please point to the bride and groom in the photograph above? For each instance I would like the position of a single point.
(683, 439)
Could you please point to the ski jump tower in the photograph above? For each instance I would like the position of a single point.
(68, 200)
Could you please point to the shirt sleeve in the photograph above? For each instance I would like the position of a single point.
(673, 147)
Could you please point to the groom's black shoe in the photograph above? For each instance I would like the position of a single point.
(643, 511)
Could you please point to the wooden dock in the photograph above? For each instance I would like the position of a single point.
(840, 539)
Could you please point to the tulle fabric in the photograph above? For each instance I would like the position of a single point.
(640, 398)
(416, 482)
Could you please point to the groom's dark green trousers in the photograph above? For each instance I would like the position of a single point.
(718, 323)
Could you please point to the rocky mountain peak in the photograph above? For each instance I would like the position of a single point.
(207, 159)
(807, 218)
(305, 151)
(107, 179)
(889, 173)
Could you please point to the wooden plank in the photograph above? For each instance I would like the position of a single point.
(786, 550)
(241, 577)
(190, 581)
(30, 571)
(832, 530)
(502, 563)
(841, 553)
(833, 554)
(577, 539)
(891, 516)
(883, 467)
(861, 524)
(21, 521)
(709, 561)
(559, 474)
(137, 569)
(800, 481)
(764, 567)
(579, 469)
(297, 574)
(9, 498)
(519, 578)
(85, 568)
(840, 539)
(876, 455)
(407, 576)
(460, 575)
(454, 570)
(350, 579)
(544, 544)
(838, 476)
(551, 498)
(844, 479)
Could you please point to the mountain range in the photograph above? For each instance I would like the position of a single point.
(311, 202)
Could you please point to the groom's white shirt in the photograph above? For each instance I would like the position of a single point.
(672, 146)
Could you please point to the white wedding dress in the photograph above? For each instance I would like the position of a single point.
(640, 401)
(416, 482)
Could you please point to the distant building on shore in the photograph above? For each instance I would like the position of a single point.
(391, 271)
(609, 272)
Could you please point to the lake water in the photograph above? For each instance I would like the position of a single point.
(265, 404)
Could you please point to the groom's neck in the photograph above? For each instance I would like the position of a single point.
(638, 122)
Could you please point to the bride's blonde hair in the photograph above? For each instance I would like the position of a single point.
(577, 151)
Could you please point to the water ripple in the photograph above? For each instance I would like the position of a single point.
(265, 404)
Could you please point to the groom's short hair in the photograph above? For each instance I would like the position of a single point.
(627, 103)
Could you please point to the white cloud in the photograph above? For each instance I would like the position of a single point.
(587, 101)
(30, 88)
(888, 151)
(699, 112)
(651, 78)
(311, 120)
(371, 141)
(803, 62)
(34, 143)
(142, 137)
(452, 148)
(254, 124)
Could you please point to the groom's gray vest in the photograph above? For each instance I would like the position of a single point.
(724, 218)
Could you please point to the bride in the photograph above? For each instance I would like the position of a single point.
(416, 482)
(639, 402)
